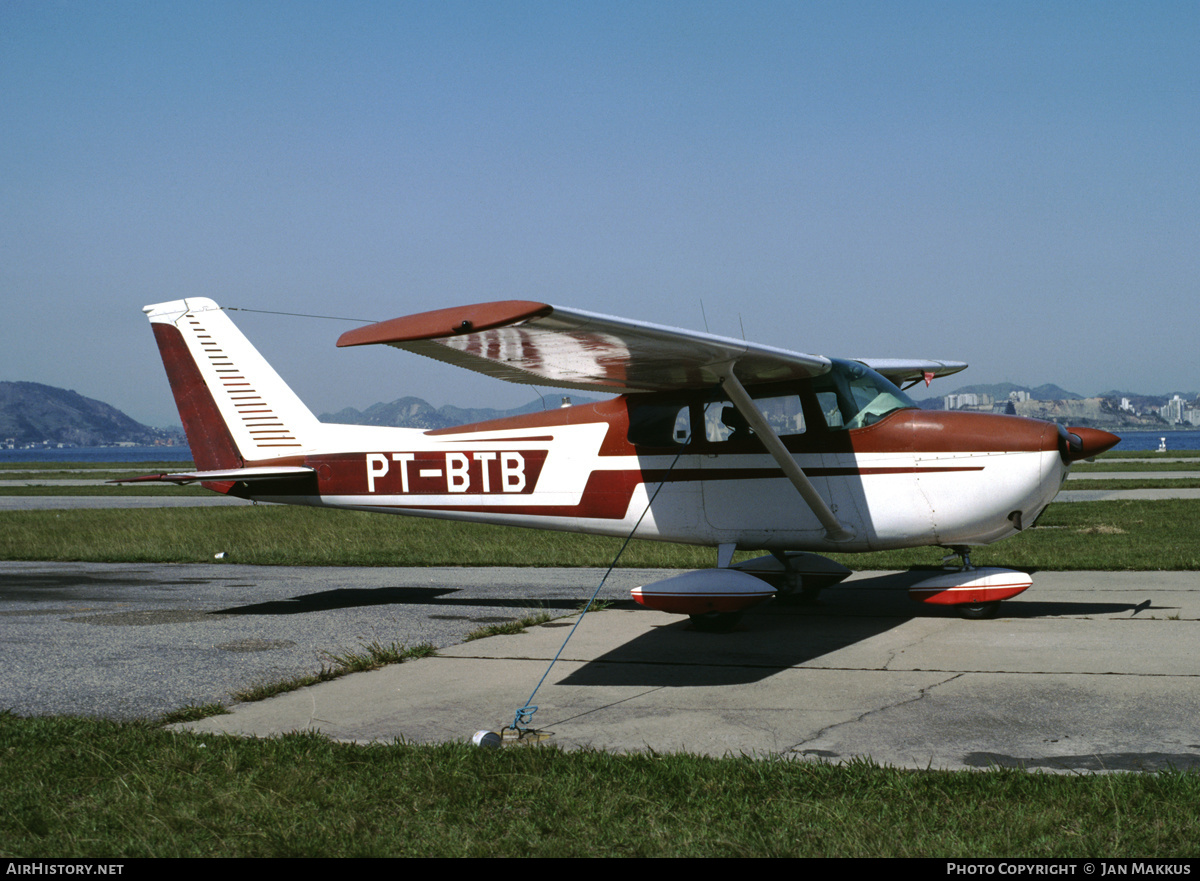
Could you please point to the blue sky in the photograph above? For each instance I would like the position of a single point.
(1010, 184)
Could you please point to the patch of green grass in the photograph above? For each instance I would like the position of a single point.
(372, 657)
(1151, 454)
(136, 489)
(1132, 465)
(507, 628)
(1148, 483)
(86, 787)
(193, 713)
(284, 535)
(1153, 535)
(1112, 535)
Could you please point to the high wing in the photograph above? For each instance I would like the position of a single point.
(536, 343)
(910, 370)
(539, 344)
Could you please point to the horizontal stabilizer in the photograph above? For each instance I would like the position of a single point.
(279, 472)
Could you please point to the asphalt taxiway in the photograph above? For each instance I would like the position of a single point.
(1086, 671)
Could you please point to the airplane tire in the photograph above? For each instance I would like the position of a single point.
(805, 596)
(979, 611)
(715, 622)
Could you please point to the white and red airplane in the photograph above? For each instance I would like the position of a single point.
(712, 441)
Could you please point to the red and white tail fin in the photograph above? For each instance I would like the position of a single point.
(235, 408)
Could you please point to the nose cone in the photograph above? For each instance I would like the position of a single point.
(1084, 443)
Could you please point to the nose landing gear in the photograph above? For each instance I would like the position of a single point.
(975, 593)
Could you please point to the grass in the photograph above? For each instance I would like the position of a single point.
(276, 535)
(193, 713)
(1118, 484)
(1151, 454)
(372, 657)
(1153, 535)
(1132, 465)
(93, 788)
(157, 489)
(509, 628)
(1112, 535)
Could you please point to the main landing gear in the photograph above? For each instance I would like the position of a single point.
(715, 622)
(714, 599)
(797, 578)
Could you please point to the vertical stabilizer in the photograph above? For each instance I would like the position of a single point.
(235, 408)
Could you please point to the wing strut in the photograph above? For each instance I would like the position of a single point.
(835, 530)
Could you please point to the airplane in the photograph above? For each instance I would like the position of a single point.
(710, 441)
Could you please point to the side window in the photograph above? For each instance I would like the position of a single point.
(828, 402)
(683, 426)
(659, 424)
(783, 413)
(724, 422)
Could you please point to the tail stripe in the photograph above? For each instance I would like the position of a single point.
(243, 396)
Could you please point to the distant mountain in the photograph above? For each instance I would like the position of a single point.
(1001, 390)
(32, 413)
(1050, 392)
(413, 412)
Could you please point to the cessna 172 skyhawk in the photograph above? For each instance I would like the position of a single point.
(712, 441)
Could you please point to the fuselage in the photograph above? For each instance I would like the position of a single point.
(913, 478)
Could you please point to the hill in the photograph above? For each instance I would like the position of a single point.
(413, 412)
(36, 414)
(999, 391)
(32, 413)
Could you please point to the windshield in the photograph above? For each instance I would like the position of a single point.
(852, 395)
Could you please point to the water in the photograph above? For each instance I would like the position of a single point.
(99, 454)
(1148, 440)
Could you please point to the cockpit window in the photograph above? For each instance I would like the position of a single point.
(852, 395)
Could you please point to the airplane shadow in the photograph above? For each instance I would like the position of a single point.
(865, 598)
(774, 637)
(351, 598)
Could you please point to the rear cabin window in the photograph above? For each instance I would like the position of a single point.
(659, 424)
